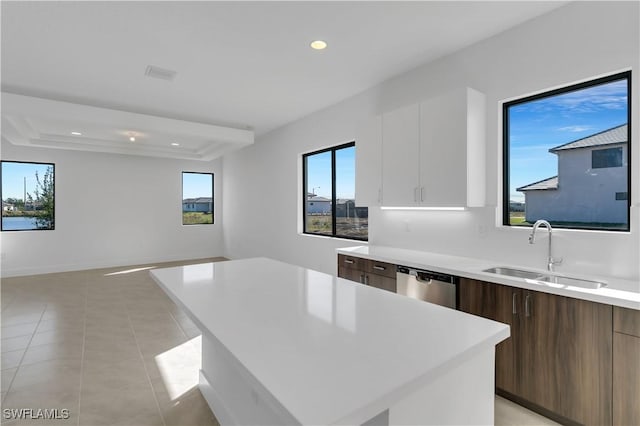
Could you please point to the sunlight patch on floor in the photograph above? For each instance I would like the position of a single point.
(179, 367)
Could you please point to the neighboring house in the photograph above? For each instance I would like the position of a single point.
(347, 208)
(318, 205)
(33, 205)
(8, 207)
(591, 185)
(202, 204)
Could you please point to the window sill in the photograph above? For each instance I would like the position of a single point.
(350, 240)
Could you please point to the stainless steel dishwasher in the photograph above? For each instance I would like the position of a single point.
(433, 287)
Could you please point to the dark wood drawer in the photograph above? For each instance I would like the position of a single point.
(351, 262)
(382, 282)
(626, 321)
(380, 268)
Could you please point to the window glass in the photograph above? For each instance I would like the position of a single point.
(566, 156)
(197, 198)
(319, 188)
(602, 158)
(28, 196)
(351, 221)
(329, 194)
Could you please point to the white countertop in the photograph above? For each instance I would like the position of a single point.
(329, 350)
(618, 292)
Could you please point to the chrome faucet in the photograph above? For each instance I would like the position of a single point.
(532, 239)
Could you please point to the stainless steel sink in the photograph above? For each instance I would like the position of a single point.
(518, 273)
(543, 278)
(573, 282)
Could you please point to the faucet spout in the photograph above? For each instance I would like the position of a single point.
(551, 261)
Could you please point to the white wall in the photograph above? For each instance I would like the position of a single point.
(576, 42)
(111, 210)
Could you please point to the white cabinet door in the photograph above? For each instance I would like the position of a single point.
(369, 162)
(400, 172)
(452, 149)
(443, 156)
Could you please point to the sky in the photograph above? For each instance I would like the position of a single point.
(195, 185)
(537, 126)
(13, 178)
(319, 173)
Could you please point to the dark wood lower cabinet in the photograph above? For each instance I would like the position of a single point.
(558, 360)
(626, 366)
(375, 274)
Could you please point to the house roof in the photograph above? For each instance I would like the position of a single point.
(318, 198)
(611, 136)
(548, 183)
(198, 200)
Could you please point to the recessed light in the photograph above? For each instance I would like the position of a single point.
(132, 139)
(318, 44)
(76, 133)
(175, 144)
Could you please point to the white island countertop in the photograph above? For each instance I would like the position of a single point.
(617, 292)
(330, 351)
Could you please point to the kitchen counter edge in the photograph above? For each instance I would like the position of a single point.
(618, 292)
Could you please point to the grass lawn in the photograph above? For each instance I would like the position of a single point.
(196, 218)
(517, 218)
(345, 227)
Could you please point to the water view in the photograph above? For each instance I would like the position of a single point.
(18, 223)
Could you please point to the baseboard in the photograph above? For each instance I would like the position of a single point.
(536, 408)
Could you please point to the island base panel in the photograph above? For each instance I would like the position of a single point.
(463, 395)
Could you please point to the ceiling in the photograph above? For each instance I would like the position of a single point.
(243, 65)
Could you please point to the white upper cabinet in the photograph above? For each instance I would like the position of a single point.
(369, 162)
(433, 153)
(400, 156)
(452, 150)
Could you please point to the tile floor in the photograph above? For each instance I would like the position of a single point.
(109, 346)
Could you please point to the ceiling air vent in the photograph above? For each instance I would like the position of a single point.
(161, 73)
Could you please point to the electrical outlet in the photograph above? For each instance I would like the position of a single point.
(407, 226)
(482, 231)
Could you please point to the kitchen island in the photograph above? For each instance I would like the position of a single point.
(282, 344)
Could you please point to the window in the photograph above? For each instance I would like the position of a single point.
(602, 158)
(197, 198)
(28, 196)
(329, 194)
(565, 152)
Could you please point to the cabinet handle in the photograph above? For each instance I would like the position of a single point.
(415, 194)
(361, 278)
(422, 193)
(379, 268)
(349, 261)
(514, 304)
(527, 308)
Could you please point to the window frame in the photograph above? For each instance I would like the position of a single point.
(213, 217)
(625, 75)
(54, 194)
(333, 150)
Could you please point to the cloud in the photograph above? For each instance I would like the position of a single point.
(610, 96)
(575, 128)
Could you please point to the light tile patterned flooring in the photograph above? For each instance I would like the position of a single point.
(113, 349)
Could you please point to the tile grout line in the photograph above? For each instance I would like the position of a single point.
(25, 350)
(144, 364)
(84, 339)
